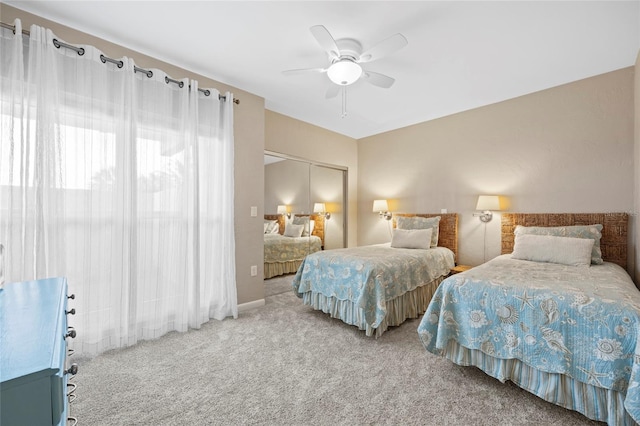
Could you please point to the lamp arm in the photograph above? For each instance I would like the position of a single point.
(385, 215)
(485, 216)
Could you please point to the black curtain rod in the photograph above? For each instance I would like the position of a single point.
(119, 64)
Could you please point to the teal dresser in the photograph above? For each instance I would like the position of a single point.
(34, 370)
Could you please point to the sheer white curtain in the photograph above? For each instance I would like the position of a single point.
(120, 182)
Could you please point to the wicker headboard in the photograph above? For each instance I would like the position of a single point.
(614, 230)
(318, 227)
(448, 228)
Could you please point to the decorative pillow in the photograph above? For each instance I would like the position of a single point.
(308, 225)
(411, 238)
(593, 232)
(547, 248)
(417, 222)
(271, 227)
(291, 230)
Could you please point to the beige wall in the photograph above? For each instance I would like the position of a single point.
(249, 147)
(286, 135)
(566, 149)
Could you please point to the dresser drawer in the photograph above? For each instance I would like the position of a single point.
(33, 331)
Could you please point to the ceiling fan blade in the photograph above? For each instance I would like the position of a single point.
(304, 71)
(332, 91)
(325, 40)
(384, 48)
(378, 79)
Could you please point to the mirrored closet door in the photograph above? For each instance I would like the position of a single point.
(301, 190)
(327, 189)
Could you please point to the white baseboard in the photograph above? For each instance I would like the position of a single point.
(250, 305)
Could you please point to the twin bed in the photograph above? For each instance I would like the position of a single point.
(374, 287)
(550, 314)
(556, 313)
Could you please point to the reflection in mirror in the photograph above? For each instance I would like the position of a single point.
(292, 187)
(286, 182)
(327, 187)
(287, 239)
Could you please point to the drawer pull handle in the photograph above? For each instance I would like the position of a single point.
(70, 351)
(71, 397)
(72, 311)
(72, 419)
(71, 333)
(73, 369)
(73, 387)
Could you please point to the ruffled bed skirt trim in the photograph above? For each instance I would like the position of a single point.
(411, 304)
(281, 268)
(596, 403)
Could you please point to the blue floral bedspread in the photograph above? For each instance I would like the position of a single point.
(578, 321)
(369, 276)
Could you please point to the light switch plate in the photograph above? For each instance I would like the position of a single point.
(254, 211)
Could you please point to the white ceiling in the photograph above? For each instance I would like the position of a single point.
(460, 55)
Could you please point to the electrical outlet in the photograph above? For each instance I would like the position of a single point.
(443, 211)
(254, 270)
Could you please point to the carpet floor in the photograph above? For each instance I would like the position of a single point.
(286, 364)
(278, 285)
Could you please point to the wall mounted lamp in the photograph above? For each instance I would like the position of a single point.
(487, 203)
(382, 208)
(283, 210)
(321, 209)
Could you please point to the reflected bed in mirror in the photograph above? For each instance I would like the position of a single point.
(285, 247)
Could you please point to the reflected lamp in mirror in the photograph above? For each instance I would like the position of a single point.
(487, 204)
(320, 208)
(282, 209)
(382, 208)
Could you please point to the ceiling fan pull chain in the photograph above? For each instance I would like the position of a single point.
(344, 102)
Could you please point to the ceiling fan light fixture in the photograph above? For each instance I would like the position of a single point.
(344, 72)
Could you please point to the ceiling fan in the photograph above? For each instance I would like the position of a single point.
(346, 57)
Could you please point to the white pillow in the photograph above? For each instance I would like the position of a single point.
(575, 231)
(308, 224)
(411, 238)
(418, 222)
(291, 230)
(271, 227)
(546, 248)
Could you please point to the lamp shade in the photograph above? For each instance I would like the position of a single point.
(282, 209)
(319, 208)
(488, 202)
(344, 72)
(380, 206)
